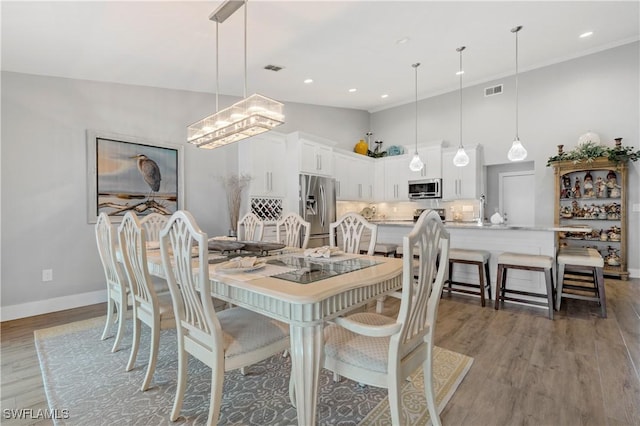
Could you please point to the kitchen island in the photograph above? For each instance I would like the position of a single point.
(493, 238)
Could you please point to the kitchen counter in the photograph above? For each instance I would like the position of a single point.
(485, 226)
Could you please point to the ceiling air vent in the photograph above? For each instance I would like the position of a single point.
(273, 68)
(493, 90)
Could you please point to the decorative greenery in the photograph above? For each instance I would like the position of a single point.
(234, 185)
(589, 151)
(377, 152)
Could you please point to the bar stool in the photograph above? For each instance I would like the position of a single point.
(480, 258)
(581, 262)
(528, 262)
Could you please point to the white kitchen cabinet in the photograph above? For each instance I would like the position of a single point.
(396, 178)
(315, 158)
(431, 156)
(462, 182)
(261, 157)
(354, 176)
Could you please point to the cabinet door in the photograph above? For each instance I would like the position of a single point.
(460, 182)
(342, 167)
(362, 177)
(396, 178)
(431, 156)
(315, 158)
(268, 177)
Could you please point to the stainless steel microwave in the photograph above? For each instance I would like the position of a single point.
(425, 188)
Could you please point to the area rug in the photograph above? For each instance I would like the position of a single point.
(89, 385)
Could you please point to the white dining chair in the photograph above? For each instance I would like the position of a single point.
(351, 227)
(226, 340)
(152, 224)
(117, 289)
(293, 225)
(250, 228)
(380, 351)
(153, 309)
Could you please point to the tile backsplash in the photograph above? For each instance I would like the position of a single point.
(462, 210)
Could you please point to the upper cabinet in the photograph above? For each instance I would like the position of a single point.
(462, 182)
(354, 174)
(396, 178)
(431, 156)
(261, 157)
(315, 155)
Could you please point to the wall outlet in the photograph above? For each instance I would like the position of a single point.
(47, 275)
(636, 207)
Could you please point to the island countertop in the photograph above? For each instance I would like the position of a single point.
(486, 226)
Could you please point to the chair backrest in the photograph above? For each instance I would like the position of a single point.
(352, 226)
(107, 249)
(152, 224)
(250, 228)
(293, 223)
(133, 246)
(421, 291)
(196, 320)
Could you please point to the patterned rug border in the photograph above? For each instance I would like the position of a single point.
(412, 393)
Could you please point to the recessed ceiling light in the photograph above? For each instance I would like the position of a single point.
(308, 81)
(587, 34)
(403, 40)
(384, 96)
(459, 72)
(352, 90)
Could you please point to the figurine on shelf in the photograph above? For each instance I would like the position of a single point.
(603, 235)
(575, 208)
(566, 212)
(613, 258)
(612, 184)
(576, 189)
(588, 185)
(614, 233)
(601, 188)
(565, 192)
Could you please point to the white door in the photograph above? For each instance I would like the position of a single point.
(517, 194)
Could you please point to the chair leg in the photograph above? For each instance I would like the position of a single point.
(122, 310)
(481, 281)
(153, 354)
(217, 381)
(450, 276)
(107, 325)
(548, 278)
(380, 304)
(181, 383)
(488, 277)
(601, 293)
(559, 285)
(428, 387)
(500, 285)
(135, 343)
(393, 394)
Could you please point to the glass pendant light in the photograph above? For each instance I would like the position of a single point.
(416, 163)
(517, 151)
(461, 158)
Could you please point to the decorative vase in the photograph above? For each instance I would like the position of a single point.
(361, 147)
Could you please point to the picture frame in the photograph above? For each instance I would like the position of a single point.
(128, 173)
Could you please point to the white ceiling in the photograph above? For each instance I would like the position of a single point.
(339, 44)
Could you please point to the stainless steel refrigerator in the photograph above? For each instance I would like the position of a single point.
(318, 206)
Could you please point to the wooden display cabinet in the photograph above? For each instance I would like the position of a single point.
(600, 203)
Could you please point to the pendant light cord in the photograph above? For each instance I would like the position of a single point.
(245, 48)
(516, 30)
(217, 69)
(415, 67)
(460, 49)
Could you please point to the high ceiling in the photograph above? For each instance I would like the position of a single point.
(338, 44)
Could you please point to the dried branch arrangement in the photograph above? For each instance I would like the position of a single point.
(234, 185)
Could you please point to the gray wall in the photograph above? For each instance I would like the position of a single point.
(557, 104)
(44, 218)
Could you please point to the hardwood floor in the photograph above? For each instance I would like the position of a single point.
(578, 369)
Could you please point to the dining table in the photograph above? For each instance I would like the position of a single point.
(304, 292)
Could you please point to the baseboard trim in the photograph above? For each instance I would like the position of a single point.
(634, 273)
(56, 304)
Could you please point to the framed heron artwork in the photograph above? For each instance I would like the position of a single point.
(127, 173)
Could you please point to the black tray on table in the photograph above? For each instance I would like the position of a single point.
(263, 247)
(225, 245)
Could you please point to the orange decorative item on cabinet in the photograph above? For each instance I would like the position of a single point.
(361, 147)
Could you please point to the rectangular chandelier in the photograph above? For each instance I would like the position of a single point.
(249, 117)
